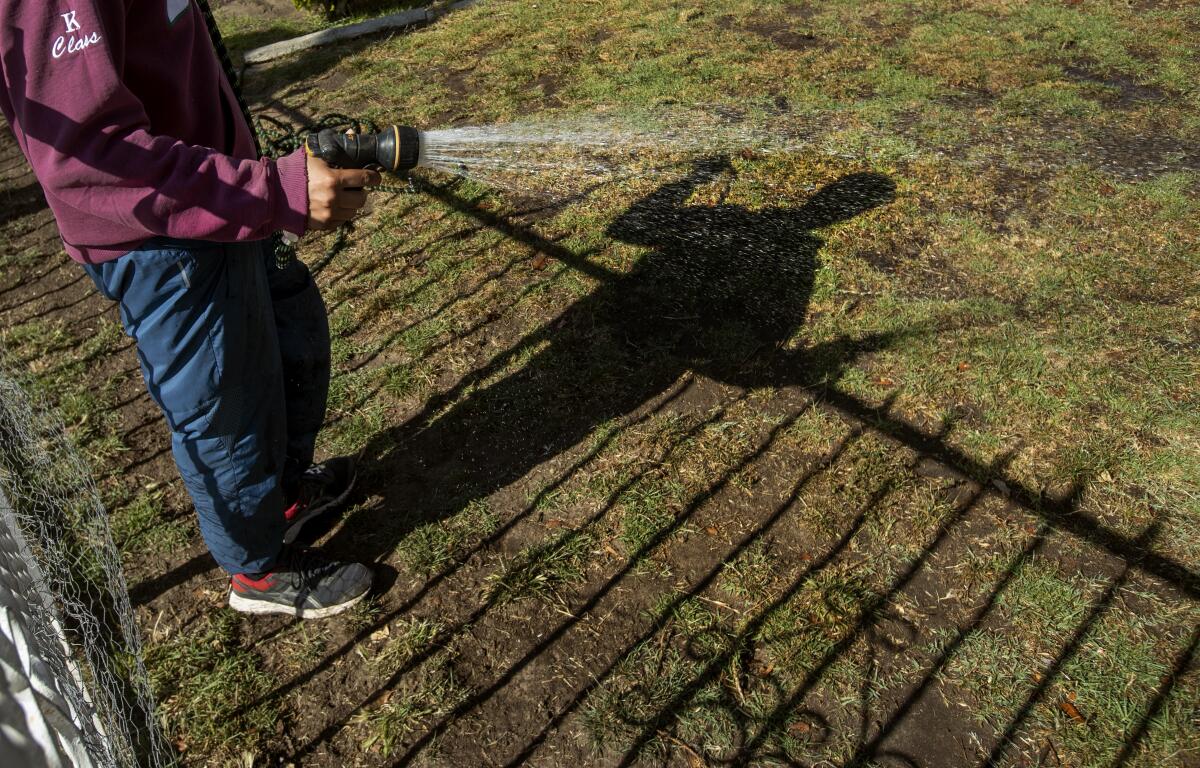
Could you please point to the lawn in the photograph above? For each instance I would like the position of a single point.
(881, 451)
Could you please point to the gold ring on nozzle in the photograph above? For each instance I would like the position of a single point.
(396, 161)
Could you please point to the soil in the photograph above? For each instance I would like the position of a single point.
(529, 665)
(785, 36)
(783, 33)
(1128, 92)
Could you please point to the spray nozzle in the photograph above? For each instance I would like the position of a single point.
(396, 148)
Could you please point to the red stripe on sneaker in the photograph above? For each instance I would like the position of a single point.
(243, 583)
(290, 513)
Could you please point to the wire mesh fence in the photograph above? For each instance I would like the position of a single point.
(70, 656)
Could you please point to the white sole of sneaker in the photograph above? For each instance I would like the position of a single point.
(293, 529)
(262, 607)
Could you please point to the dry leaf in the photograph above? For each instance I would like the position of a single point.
(711, 530)
(885, 381)
(539, 262)
(382, 633)
(554, 523)
(694, 760)
(1072, 711)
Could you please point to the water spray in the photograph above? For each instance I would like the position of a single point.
(557, 158)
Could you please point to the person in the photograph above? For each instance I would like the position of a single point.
(126, 112)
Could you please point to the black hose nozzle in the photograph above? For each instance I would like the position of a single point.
(396, 148)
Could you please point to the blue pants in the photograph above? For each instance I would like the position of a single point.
(236, 353)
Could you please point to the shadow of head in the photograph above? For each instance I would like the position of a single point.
(723, 277)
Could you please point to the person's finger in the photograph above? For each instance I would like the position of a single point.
(352, 199)
(354, 178)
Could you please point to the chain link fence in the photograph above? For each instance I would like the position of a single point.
(73, 686)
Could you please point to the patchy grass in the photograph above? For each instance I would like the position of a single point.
(1101, 678)
(711, 543)
(203, 678)
(433, 547)
(402, 644)
(435, 693)
(544, 570)
(145, 525)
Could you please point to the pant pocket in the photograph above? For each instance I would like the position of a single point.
(174, 304)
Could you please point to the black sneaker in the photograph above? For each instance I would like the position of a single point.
(322, 487)
(304, 583)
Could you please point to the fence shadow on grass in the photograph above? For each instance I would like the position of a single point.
(694, 303)
(720, 290)
(721, 283)
(706, 298)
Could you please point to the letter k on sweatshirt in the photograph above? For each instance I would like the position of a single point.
(129, 123)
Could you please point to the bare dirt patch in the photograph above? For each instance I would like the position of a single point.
(1144, 155)
(784, 35)
(1128, 92)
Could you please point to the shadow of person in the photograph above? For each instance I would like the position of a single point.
(715, 286)
(723, 281)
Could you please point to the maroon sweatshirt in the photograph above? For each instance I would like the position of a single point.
(132, 129)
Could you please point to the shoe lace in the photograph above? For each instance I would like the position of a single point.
(318, 473)
(312, 481)
(307, 567)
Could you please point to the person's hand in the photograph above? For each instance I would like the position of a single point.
(334, 194)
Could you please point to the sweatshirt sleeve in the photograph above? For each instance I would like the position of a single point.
(89, 141)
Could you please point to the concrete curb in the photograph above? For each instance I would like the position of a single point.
(415, 17)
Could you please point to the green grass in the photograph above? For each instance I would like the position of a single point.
(384, 727)
(203, 679)
(433, 690)
(659, 673)
(433, 547)
(752, 575)
(410, 638)
(544, 570)
(143, 525)
(1112, 670)
(1030, 293)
